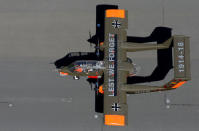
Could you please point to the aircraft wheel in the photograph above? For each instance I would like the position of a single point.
(76, 77)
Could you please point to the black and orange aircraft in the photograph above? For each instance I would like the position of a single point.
(114, 74)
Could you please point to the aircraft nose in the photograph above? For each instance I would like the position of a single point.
(90, 40)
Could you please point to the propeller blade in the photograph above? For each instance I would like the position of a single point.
(91, 86)
(97, 85)
(97, 48)
(90, 34)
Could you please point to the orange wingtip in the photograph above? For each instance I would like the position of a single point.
(114, 120)
(115, 13)
(179, 84)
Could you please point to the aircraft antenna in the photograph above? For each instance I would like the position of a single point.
(90, 35)
(98, 48)
(163, 12)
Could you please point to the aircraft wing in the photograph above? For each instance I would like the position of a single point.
(115, 106)
(116, 84)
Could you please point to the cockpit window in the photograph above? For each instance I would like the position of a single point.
(83, 62)
(86, 66)
(72, 54)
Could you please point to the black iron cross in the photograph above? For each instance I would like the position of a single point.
(115, 106)
(116, 24)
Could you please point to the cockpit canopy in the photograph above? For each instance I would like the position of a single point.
(86, 66)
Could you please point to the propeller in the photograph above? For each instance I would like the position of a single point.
(97, 85)
(90, 34)
(98, 48)
(90, 38)
(97, 45)
(91, 86)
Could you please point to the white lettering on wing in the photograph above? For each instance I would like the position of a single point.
(111, 64)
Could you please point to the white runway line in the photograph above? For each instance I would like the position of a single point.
(9, 100)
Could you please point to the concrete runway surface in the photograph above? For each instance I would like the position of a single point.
(33, 97)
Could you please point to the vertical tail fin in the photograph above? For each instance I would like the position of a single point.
(181, 54)
(182, 57)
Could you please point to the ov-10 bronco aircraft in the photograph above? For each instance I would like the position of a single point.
(114, 74)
